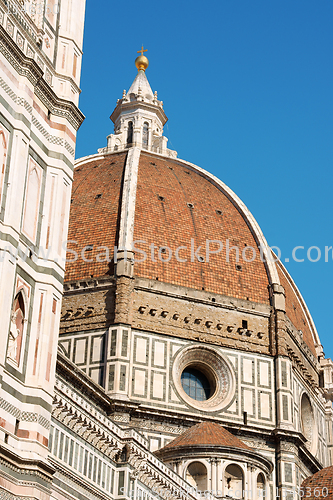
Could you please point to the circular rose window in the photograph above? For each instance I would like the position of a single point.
(203, 378)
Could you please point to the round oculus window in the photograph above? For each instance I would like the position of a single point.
(203, 378)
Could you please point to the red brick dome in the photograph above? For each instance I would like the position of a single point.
(175, 206)
(320, 485)
(178, 207)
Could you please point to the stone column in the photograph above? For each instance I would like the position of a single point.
(214, 477)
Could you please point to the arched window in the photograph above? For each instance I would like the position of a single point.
(16, 329)
(233, 481)
(196, 475)
(260, 486)
(145, 135)
(129, 133)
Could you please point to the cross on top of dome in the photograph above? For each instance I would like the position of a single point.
(142, 50)
(141, 62)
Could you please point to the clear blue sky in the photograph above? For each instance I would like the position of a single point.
(247, 87)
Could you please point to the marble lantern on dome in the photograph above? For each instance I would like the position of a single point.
(139, 117)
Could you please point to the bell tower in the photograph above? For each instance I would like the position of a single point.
(40, 60)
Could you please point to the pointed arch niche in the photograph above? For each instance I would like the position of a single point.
(18, 323)
(32, 199)
(16, 332)
(4, 137)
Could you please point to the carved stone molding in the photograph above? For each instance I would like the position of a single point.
(27, 67)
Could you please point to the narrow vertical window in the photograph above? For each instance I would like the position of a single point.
(129, 133)
(145, 135)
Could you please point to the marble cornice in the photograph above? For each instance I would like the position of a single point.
(27, 67)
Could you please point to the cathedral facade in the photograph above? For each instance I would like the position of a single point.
(187, 363)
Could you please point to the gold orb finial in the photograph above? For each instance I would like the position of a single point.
(141, 62)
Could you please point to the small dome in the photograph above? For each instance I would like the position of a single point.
(206, 434)
(320, 485)
(209, 439)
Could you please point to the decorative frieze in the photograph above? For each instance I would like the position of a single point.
(24, 416)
